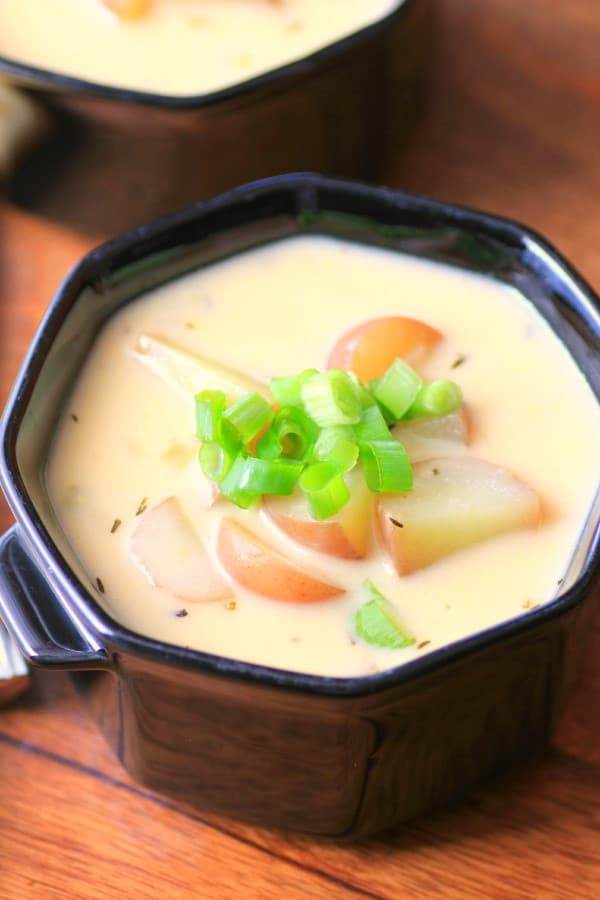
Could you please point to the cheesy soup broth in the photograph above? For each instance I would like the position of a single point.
(179, 47)
(126, 442)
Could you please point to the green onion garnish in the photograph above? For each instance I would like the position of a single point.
(330, 398)
(325, 489)
(386, 466)
(286, 389)
(338, 445)
(440, 398)
(292, 434)
(215, 461)
(325, 422)
(372, 425)
(397, 389)
(375, 622)
(249, 416)
(209, 409)
(232, 487)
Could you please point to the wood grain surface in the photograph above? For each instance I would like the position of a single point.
(513, 126)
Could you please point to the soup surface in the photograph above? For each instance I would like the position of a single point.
(126, 443)
(180, 47)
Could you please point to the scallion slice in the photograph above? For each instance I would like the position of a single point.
(386, 466)
(397, 389)
(372, 425)
(439, 398)
(232, 485)
(375, 622)
(209, 409)
(337, 445)
(249, 416)
(330, 398)
(325, 489)
(214, 460)
(286, 389)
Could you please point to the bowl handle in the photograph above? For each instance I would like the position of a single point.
(45, 631)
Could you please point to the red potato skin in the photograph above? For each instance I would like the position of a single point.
(324, 537)
(371, 347)
(261, 569)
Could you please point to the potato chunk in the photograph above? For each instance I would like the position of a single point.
(188, 373)
(433, 437)
(455, 502)
(170, 552)
(262, 569)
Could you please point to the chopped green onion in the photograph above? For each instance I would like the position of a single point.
(329, 398)
(440, 398)
(386, 466)
(266, 476)
(215, 461)
(325, 489)
(337, 445)
(372, 426)
(397, 389)
(296, 432)
(362, 393)
(286, 389)
(209, 409)
(231, 486)
(249, 416)
(375, 622)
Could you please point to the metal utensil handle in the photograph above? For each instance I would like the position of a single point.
(45, 631)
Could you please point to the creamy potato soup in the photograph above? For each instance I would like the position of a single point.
(501, 487)
(177, 47)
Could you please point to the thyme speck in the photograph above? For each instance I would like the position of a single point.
(396, 523)
(460, 359)
(181, 613)
(435, 471)
(100, 585)
(75, 417)
(115, 525)
(142, 507)
(422, 644)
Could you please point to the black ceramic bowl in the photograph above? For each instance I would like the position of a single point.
(120, 157)
(338, 757)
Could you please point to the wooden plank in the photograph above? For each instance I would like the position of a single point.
(64, 833)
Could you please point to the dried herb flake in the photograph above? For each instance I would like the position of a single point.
(181, 613)
(115, 525)
(422, 644)
(75, 417)
(396, 523)
(99, 584)
(460, 359)
(142, 507)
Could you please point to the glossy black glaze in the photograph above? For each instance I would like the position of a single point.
(338, 757)
(120, 157)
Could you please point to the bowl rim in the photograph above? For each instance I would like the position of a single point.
(142, 242)
(35, 77)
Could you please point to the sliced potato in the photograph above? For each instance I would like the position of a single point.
(346, 535)
(433, 437)
(128, 9)
(371, 347)
(172, 555)
(456, 501)
(264, 570)
(189, 373)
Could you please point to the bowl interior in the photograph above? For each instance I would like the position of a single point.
(248, 217)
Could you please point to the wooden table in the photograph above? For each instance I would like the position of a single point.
(514, 127)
